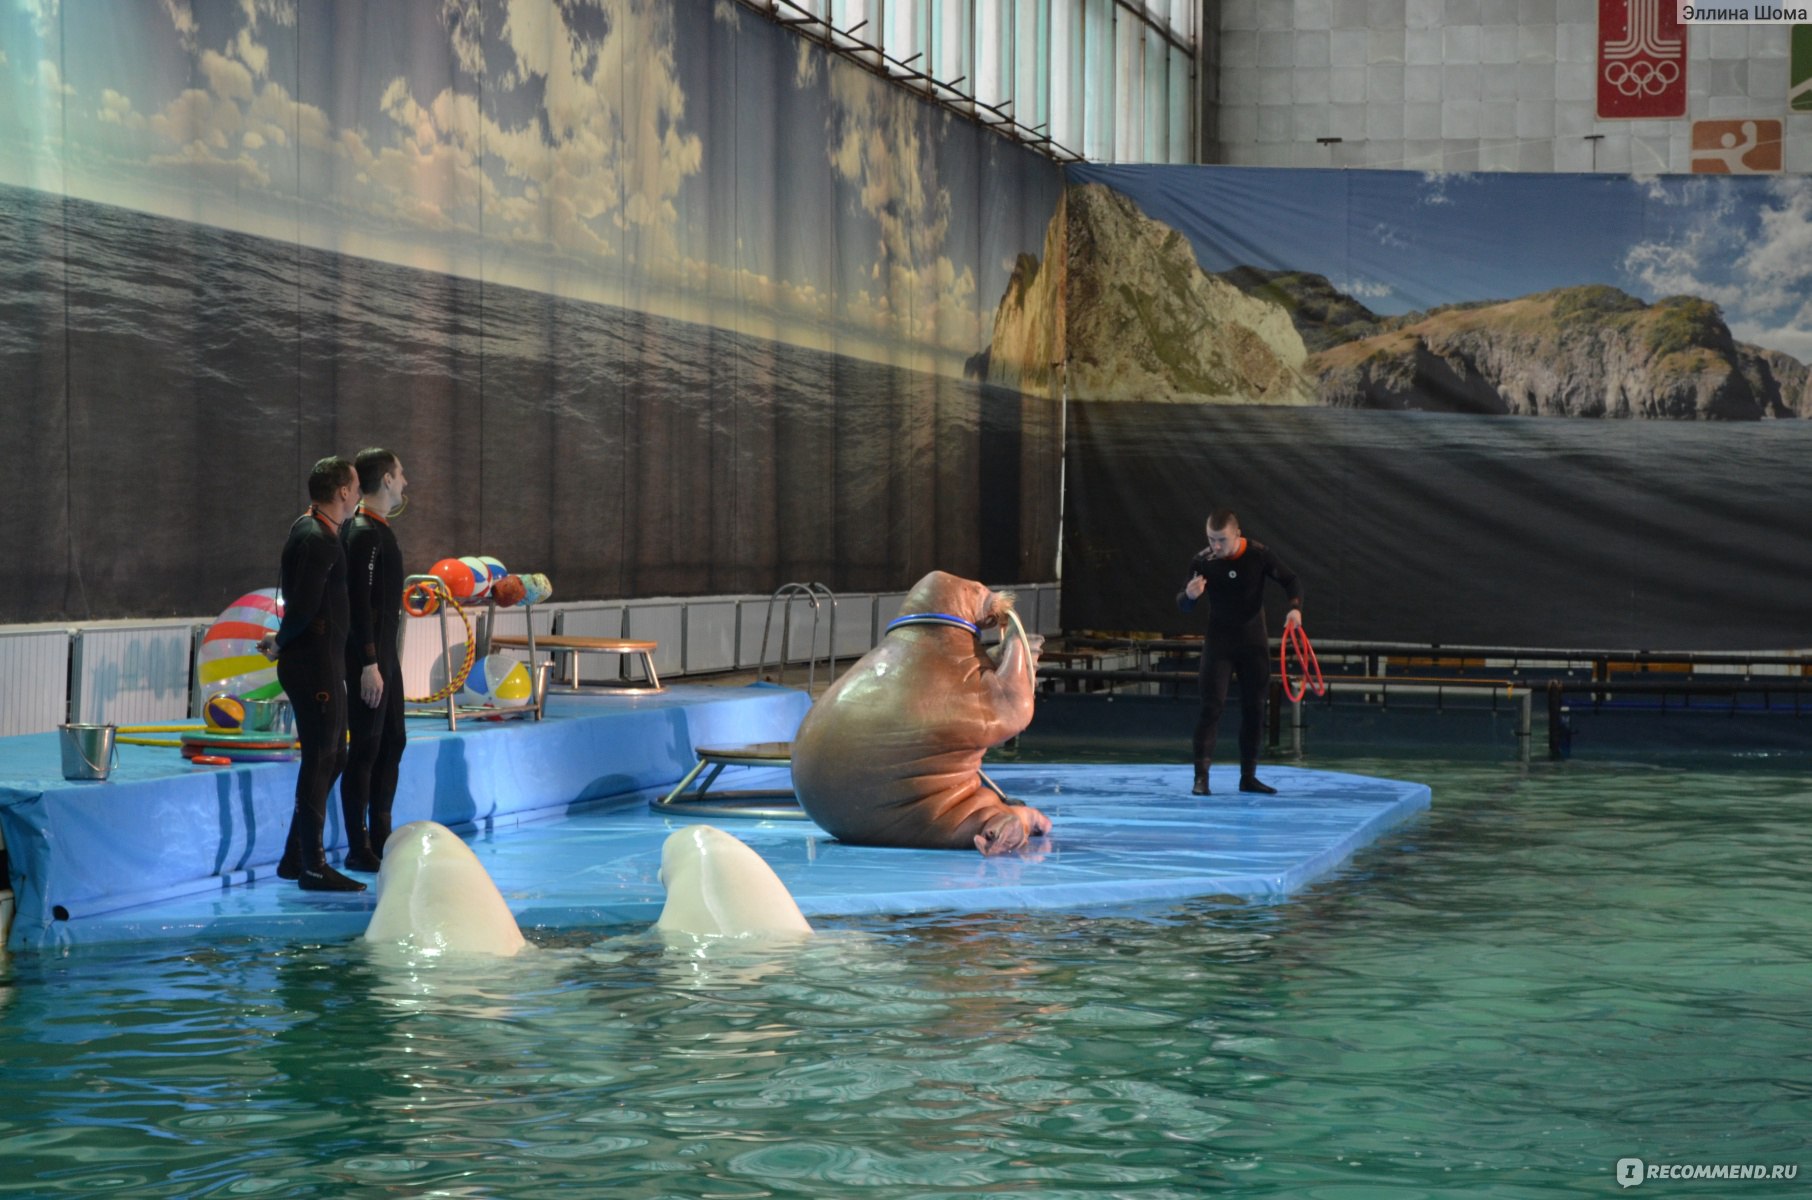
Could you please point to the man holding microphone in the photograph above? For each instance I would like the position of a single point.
(1231, 571)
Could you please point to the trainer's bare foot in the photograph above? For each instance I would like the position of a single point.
(1010, 829)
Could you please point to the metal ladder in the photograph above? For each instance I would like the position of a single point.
(816, 594)
(762, 803)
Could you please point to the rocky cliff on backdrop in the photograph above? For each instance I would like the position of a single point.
(1145, 322)
(1589, 351)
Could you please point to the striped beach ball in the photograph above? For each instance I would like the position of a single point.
(498, 681)
(481, 576)
(230, 661)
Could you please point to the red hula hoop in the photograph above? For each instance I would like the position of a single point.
(1295, 639)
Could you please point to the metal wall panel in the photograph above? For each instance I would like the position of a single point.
(710, 636)
(855, 626)
(132, 674)
(590, 620)
(34, 682)
(887, 607)
(662, 621)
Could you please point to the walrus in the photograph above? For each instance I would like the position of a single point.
(891, 754)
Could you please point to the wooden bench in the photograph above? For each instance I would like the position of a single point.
(572, 647)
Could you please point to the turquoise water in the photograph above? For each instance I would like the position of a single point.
(1558, 967)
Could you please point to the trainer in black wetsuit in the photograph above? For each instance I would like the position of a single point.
(373, 661)
(1233, 571)
(310, 648)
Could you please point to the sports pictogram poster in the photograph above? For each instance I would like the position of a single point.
(1736, 146)
(1641, 59)
(1799, 70)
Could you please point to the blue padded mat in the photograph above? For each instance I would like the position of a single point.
(161, 828)
(1123, 834)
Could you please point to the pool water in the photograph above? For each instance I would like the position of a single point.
(1559, 966)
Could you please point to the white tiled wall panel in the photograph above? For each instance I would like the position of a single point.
(1469, 85)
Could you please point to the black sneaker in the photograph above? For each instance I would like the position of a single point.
(1251, 784)
(289, 868)
(1201, 781)
(325, 879)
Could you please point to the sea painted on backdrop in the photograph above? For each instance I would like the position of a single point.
(167, 384)
(1452, 528)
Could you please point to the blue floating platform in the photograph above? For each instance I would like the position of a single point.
(1123, 835)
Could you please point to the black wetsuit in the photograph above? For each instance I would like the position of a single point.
(1236, 643)
(368, 788)
(311, 665)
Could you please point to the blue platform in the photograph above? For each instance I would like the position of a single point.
(1123, 834)
(160, 829)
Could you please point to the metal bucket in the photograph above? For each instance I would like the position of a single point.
(89, 751)
(269, 716)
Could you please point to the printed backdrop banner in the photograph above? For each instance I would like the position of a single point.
(1491, 409)
(652, 296)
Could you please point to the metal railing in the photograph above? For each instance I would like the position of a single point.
(1782, 681)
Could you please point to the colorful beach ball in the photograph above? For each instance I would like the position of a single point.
(457, 574)
(493, 568)
(481, 576)
(224, 713)
(229, 660)
(498, 681)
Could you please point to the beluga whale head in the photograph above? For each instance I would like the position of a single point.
(434, 895)
(717, 886)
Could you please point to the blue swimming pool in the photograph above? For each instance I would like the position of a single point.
(1559, 966)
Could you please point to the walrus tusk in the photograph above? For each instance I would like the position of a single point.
(1025, 644)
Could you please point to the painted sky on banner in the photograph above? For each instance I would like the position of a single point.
(623, 152)
(1399, 241)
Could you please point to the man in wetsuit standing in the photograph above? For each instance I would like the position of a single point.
(374, 669)
(310, 649)
(1232, 571)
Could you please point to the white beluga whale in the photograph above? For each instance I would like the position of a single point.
(717, 886)
(434, 895)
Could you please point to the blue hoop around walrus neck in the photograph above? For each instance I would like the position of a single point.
(932, 618)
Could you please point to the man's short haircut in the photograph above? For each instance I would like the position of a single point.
(373, 464)
(328, 476)
(1220, 518)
